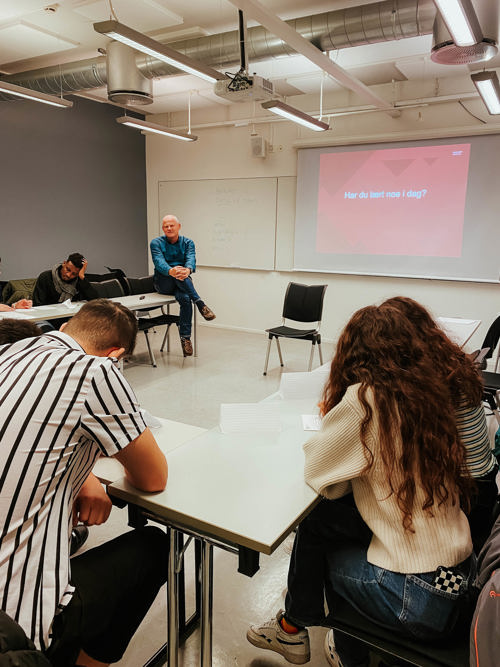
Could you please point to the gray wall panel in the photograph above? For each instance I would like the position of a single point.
(71, 180)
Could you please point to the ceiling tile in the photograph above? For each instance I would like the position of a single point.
(20, 40)
(141, 14)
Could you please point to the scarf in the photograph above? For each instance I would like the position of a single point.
(66, 290)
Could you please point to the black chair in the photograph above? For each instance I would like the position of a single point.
(143, 285)
(452, 652)
(145, 321)
(303, 303)
(108, 289)
(491, 340)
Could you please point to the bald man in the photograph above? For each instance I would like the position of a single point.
(174, 258)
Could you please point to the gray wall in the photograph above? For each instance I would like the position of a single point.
(72, 180)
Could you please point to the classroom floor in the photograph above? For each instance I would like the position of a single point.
(227, 370)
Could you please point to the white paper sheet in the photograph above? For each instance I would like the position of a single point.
(311, 422)
(250, 417)
(296, 386)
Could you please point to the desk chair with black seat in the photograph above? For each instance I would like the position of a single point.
(107, 289)
(491, 340)
(398, 650)
(453, 651)
(303, 303)
(146, 322)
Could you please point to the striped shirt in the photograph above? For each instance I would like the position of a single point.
(473, 433)
(59, 410)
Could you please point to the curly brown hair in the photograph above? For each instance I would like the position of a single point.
(379, 350)
(450, 361)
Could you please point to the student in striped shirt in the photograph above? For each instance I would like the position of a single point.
(63, 403)
(466, 389)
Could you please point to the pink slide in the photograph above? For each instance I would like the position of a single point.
(398, 201)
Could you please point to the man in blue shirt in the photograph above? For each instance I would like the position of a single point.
(174, 258)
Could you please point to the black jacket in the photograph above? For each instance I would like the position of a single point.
(45, 292)
(16, 650)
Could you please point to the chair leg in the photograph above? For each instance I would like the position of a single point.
(166, 338)
(311, 356)
(151, 355)
(267, 356)
(279, 351)
(320, 354)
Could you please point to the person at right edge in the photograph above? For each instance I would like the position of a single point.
(174, 258)
(389, 535)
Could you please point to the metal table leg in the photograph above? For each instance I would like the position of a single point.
(195, 330)
(207, 570)
(173, 618)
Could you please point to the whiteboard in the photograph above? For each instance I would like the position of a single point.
(232, 221)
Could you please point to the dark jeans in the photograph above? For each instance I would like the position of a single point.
(116, 583)
(184, 293)
(329, 559)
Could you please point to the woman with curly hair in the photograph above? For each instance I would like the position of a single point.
(389, 535)
(466, 388)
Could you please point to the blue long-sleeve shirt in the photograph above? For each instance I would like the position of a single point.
(166, 255)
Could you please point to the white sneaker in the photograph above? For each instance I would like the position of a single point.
(331, 654)
(270, 635)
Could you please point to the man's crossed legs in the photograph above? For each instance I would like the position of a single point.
(185, 294)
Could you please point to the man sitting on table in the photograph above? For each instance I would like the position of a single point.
(174, 258)
(64, 281)
(64, 403)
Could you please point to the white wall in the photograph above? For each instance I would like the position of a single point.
(252, 300)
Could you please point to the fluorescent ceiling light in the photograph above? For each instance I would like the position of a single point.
(461, 21)
(34, 95)
(489, 88)
(285, 110)
(155, 128)
(145, 44)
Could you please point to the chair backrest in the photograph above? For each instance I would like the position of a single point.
(113, 273)
(108, 288)
(143, 285)
(304, 303)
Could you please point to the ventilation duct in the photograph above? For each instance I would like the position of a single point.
(126, 84)
(368, 24)
(445, 52)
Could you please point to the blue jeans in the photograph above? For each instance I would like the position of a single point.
(329, 559)
(184, 293)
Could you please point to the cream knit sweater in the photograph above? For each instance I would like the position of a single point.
(335, 460)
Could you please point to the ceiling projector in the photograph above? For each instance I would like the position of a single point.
(244, 88)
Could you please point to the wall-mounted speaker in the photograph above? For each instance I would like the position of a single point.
(258, 145)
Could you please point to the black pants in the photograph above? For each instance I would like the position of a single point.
(116, 583)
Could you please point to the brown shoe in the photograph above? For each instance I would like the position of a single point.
(207, 313)
(187, 347)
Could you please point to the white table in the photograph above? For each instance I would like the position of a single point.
(169, 436)
(38, 313)
(458, 329)
(242, 492)
(133, 302)
(58, 310)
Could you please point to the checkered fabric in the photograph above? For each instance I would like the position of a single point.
(448, 580)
